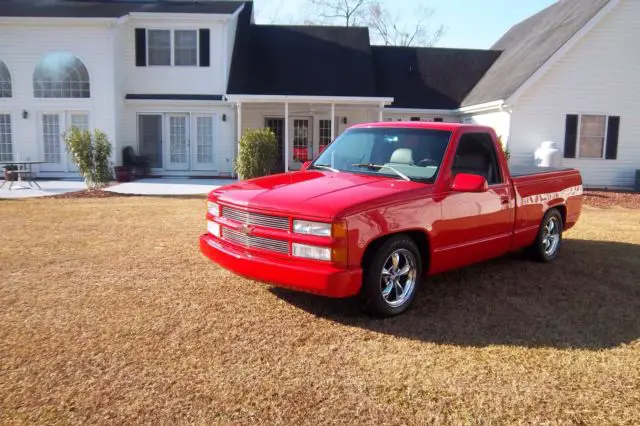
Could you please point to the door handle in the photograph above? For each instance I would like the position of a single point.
(504, 199)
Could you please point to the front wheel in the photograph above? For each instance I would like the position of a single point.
(392, 276)
(549, 239)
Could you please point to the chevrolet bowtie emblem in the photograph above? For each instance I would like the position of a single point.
(245, 229)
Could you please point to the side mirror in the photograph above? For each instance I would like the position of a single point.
(305, 166)
(469, 183)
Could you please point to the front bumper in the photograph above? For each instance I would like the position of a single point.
(299, 274)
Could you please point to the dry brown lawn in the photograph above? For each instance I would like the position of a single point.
(109, 314)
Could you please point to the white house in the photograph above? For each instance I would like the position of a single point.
(178, 81)
(569, 74)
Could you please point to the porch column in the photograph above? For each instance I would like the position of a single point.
(286, 135)
(380, 111)
(333, 125)
(239, 124)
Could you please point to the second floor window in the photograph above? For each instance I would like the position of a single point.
(167, 47)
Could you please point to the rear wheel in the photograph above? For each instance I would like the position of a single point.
(549, 239)
(392, 276)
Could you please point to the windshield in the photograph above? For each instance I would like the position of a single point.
(397, 152)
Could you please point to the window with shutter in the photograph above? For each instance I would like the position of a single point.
(591, 136)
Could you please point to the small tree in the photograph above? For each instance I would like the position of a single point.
(91, 154)
(257, 154)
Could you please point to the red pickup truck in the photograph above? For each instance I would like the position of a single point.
(385, 206)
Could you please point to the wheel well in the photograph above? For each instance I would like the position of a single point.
(563, 212)
(419, 237)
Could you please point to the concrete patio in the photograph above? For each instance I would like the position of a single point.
(47, 188)
(152, 186)
(169, 186)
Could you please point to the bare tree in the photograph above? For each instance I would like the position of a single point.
(348, 13)
(392, 31)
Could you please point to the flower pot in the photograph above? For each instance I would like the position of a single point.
(9, 176)
(125, 173)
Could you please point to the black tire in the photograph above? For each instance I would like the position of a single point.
(372, 293)
(540, 250)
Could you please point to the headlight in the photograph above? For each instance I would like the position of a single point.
(213, 208)
(311, 252)
(312, 228)
(213, 228)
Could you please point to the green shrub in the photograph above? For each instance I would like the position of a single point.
(91, 154)
(506, 151)
(257, 153)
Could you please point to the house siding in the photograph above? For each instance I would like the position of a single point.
(210, 80)
(599, 75)
(23, 45)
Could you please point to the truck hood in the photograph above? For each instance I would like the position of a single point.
(314, 194)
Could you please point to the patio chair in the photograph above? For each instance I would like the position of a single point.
(141, 164)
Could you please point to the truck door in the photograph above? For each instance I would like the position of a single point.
(474, 226)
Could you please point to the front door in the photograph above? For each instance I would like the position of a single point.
(302, 149)
(203, 155)
(177, 149)
(53, 153)
(277, 126)
(79, 120)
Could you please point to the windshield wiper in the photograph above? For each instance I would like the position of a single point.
(379, 167)
(326, 167)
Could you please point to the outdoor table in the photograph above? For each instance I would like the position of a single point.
(24, 170)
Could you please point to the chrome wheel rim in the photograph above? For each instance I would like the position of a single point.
(551, 236)
(398, 278)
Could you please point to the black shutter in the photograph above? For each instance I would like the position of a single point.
(613, 132)
(205, 43)
(571, 136)
(141, 47)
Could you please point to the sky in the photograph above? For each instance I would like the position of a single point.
(472, 24)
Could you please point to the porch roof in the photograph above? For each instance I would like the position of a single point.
(302, 99)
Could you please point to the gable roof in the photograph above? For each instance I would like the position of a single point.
(429, 78)
(110, 8)
(303, 61)
(529, 44)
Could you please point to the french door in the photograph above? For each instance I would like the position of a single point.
(203, 155)
(6, 138)
(52, 126)
(53, 153)
(177, 152)
(302, 148)
(79, 120)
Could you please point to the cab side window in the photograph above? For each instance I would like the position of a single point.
(476, 155)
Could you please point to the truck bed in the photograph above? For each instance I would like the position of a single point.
(519, 171)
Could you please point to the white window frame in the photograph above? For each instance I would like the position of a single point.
(172, 43)
(579, 135)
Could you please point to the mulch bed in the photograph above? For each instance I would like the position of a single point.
(608, 199)
(91, 193)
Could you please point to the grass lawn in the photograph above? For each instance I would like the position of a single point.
(109, 314)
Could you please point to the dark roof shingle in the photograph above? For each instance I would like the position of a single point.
(430, 78)
(110, 8)
(303, 60)
(529, 44)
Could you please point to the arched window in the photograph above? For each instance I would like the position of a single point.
(5, 81)
(61, 75)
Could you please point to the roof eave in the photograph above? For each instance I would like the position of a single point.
(310, 99)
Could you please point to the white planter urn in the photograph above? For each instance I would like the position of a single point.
(548, 155)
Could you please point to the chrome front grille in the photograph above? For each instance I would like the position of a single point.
(252, 241)
(257, 219)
